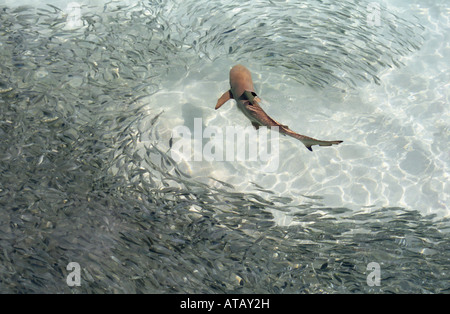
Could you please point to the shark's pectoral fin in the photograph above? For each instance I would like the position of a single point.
(224, 98)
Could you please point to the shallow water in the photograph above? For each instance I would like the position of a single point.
(88, 103)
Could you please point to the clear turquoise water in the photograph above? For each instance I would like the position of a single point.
(87, 112)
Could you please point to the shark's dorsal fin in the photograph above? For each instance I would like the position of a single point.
(248, 95)
(224, 98)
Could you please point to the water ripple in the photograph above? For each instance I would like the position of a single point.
(78, 184)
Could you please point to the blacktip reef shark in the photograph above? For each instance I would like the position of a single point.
(243, 91)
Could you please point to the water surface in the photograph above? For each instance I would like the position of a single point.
(87, 111)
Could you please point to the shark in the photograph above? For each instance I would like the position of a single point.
(243, 91)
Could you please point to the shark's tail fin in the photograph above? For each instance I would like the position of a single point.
(309, 141)
(322, 143)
